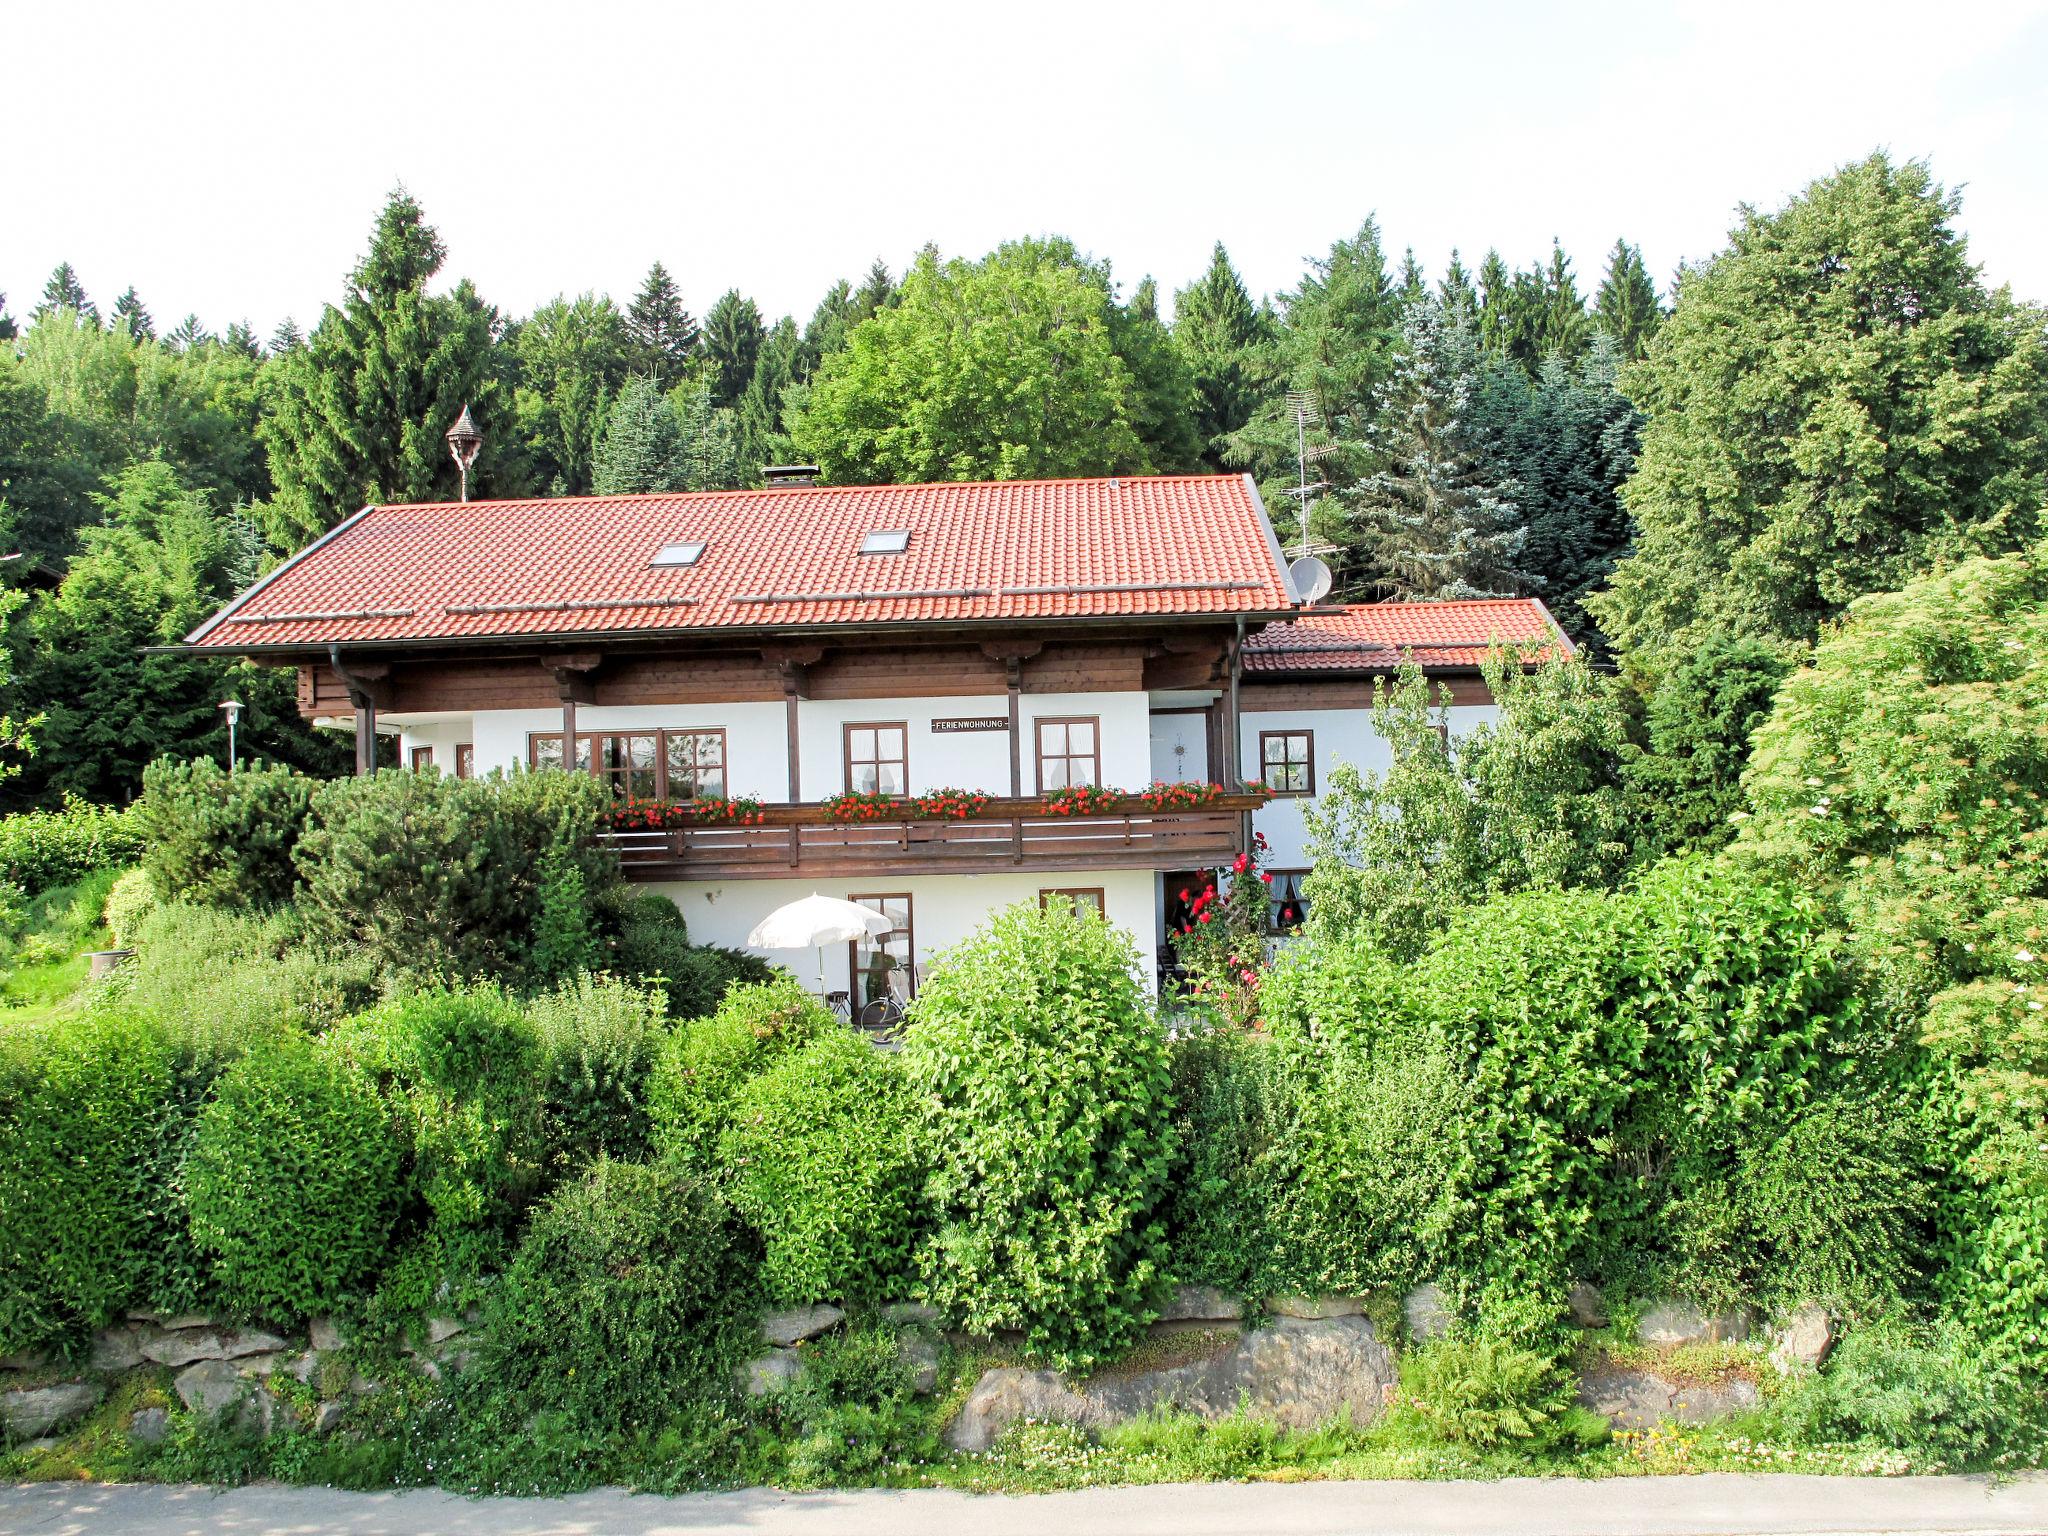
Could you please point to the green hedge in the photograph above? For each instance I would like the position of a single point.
(706, 1064)
(39, 849)
(627, 1295)
(82, 1118)
(819, 1157)
(1045, 1090)
(598, 1040)
(293, 1181)
(223, 839)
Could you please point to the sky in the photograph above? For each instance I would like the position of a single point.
(229, 159)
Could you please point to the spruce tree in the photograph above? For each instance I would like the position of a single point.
(1334, 344)
(877, 290)
(128, 308)
(361, 409)
(1460, 298)
(1627, 302)
(710, 440)
(1497, 304)
(732, 345)
(8, 329)
(642, 445)
(64, 291)
(1414, 283)
(663, 333)
(1565, 330)
(760, 407)
(188, 335)
(1436, 518)
(287, 337)
(1163, 394)
(240, 340)
(825, 333)
(1218, 330)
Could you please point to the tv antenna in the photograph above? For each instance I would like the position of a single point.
(1311, 577)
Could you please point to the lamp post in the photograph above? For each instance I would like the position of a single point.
(232, 708)
(464, 442)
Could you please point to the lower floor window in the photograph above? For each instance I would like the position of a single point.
(422, 757)
(465, 760)
(1287, 908)
(1086, 898)
(883, 963)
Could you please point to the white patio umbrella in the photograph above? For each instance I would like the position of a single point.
(815, 922)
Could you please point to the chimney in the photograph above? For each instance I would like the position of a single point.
(783, 477)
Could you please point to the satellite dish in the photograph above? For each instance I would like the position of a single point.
(1311, 578)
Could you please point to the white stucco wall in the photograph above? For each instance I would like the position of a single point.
(1341, 736)
(944, 910)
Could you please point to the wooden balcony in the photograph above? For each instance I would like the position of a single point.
(794, 841)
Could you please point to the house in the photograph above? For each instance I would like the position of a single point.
(755, 655)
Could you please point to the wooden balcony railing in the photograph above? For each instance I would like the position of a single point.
(798, 840)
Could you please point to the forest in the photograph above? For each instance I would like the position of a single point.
(1833, 402)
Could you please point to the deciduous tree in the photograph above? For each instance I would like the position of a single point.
(1837, 401)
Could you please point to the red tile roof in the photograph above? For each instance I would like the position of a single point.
(1015, 550)
(1375, 636)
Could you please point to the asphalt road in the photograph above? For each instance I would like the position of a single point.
(1711, 1505)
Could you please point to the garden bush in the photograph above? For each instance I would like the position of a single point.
(1046, 1103)
(1928, 1391)
(451, 878)
(628, 1295)
(598, 1041)
(39, 849)
(653, 945)
(1487, 1393)
(82, 1107)
(463, 1069)
(819, 1158)
(201, 972)
(223, 839)
(132, 898)
(706, 1064)
(293, 1181)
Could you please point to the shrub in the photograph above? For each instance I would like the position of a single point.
(1929, 1392)
(1047, 1099)
(1233, 1103)
(237, 977)
(819, 1159)
(465, 1070)
(598, 1040)
(654, 946)
(627, 1294)
(223, 839)
(293, 1181)
(82, 1106)
(1485, 1393)
(705, 1064)
(1842, 1205)
(565, 942)
(39, 849)
(132, 898)
(417, 869)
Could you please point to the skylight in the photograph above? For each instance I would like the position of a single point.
(683, 552)
(886, 541)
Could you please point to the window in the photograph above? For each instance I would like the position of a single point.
(465, 760)
(877, 760)
(1069, 753)
(631, 765)
(638, 765)
(1287, 908)
(1085, 898)
(884, 965)
(682, 552)
(1288, 760)
(695, 765)
(886, 541)
(422, 757)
